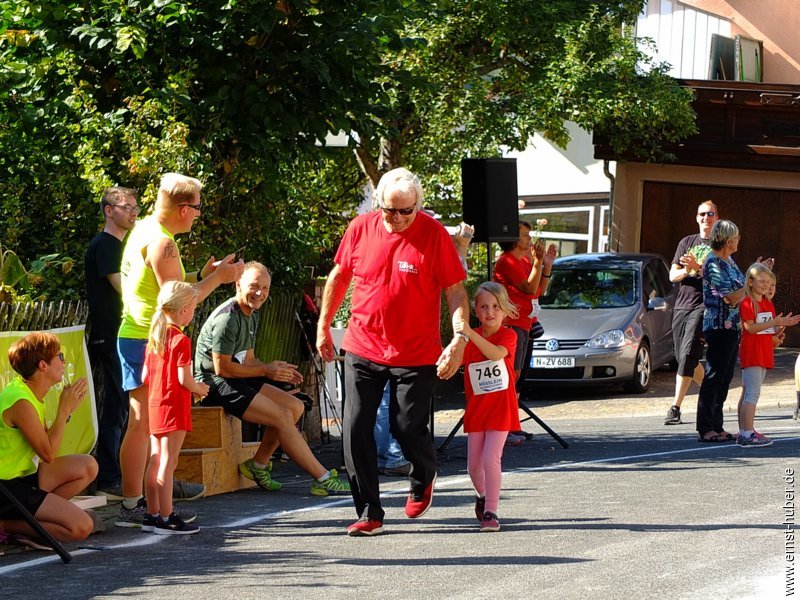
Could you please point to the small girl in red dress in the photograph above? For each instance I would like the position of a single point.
(168, 373)
(491, 399)
(762, 331)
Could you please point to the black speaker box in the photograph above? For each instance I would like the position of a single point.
(489, 194)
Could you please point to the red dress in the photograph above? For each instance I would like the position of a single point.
(170, 403)
(489, 386)
(756, 348)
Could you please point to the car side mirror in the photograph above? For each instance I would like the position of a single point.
(656, 304)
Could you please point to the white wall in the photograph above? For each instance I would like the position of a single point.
(682, 36)
(544, 168)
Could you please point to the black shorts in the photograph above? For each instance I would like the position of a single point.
(687, 339)
(234, 395)
(26, 490)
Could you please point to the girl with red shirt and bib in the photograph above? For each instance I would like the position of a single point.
(762, 331)
(491, 399)
(168, 374)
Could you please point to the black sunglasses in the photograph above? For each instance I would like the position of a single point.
(402, 211)
(709, 213)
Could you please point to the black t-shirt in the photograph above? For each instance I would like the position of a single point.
(103, 257)
(690, 290)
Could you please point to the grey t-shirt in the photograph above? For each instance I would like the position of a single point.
(226, 331)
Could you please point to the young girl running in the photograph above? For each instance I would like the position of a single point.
(761, 332)
(168, 373)
(491, 399)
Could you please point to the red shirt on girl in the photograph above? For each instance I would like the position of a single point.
(170, 403)
(756, 350)
(489, 386)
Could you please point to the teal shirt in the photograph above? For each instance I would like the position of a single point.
(17, 457)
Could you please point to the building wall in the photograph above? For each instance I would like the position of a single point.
(682, 35)
(630, 183)
(544, 168)
(775, 22)
(674, 24)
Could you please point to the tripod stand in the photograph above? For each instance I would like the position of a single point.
(319, 371)
(37, 527)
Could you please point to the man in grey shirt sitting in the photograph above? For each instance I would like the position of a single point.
(239, 383)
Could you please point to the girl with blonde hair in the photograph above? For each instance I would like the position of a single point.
(762, 331)
(168, 374)
(491, 410)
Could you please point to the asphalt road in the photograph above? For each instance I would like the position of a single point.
(631, 509)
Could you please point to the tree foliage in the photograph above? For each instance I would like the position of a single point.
(238, 93)
(492, 73)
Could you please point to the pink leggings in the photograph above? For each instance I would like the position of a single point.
(484, 451)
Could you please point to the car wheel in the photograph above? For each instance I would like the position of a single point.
(642, 369)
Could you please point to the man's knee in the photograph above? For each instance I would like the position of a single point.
(264, 411)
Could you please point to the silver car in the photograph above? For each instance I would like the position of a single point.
(607, 319)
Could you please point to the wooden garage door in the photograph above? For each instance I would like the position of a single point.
(769, 221)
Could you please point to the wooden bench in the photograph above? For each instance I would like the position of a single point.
(213, 450)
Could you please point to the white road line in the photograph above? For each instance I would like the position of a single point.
(442, 482)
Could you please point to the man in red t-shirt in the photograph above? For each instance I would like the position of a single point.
(399, 260)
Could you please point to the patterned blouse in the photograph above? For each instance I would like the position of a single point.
(720, 278)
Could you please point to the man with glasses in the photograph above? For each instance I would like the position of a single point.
(151, 257)
(400, 260)
(103, 292)
(687, 315)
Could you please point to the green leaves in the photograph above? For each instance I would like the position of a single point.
(133, 38)
(236, 92)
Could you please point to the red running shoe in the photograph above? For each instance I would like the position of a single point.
(416, 507)
(480, 506)
(364, 527)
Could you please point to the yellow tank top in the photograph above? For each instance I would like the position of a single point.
(139, 284)
(17, 458)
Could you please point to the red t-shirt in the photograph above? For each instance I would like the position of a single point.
(756, 348)
(170, 403)
(511, 271)
(398, 281)
(496, 409)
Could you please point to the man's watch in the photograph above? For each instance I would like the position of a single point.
(463, 336)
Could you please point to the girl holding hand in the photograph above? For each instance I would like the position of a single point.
(491, 410)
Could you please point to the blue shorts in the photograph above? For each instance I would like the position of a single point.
(131, 357)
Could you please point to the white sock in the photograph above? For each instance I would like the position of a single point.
(130, 502)
(259, 465)
(325, 477)
(746, 432)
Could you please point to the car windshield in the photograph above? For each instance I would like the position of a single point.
(590, 288)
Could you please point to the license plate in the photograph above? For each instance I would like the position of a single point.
(552, 362)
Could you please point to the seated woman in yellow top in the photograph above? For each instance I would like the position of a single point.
(29, 467)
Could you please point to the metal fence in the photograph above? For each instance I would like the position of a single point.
(279, 335)
(38, 316)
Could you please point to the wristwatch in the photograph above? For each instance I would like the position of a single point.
(463, 336)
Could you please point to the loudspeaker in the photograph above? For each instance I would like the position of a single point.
(489, 195)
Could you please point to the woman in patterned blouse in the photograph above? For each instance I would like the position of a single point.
(723, 289)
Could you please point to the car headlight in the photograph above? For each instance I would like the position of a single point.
(614, 338)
